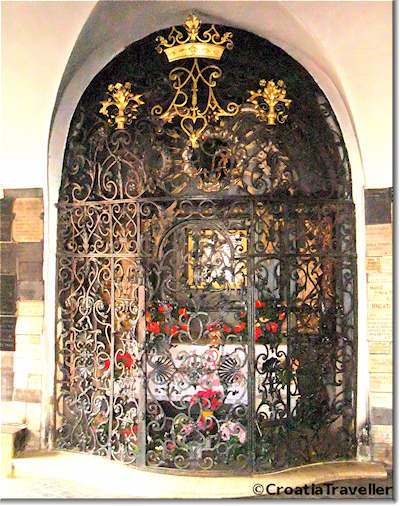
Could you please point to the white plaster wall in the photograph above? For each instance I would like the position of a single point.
(350, 41)
(356, 37)
(37, 40)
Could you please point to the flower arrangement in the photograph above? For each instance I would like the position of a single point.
(128, 438)
(125, 359)
(171, 319)
(184, 439)
(269, 320)
(233, 433)
(209, 400)
(129, 432)
(166, 318)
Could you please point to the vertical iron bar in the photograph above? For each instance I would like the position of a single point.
(141, 337)
(285, 273)
(251, 382)
(112, 344)
(286, 278)
(341, 329)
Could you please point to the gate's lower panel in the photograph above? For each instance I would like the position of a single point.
(199, 337)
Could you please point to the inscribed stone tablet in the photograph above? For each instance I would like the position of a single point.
(379, 240)
(28, 223)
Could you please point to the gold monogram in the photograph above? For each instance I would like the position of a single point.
(193, 117)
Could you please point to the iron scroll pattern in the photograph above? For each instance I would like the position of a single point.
(206, 296)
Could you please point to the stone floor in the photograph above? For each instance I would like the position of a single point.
(36, 488)
(41, 488)
(61, 476)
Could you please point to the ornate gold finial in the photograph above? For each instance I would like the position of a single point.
(179, 45)
(127, 104)
(270, 102)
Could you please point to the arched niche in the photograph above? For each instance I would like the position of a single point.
(206, 294)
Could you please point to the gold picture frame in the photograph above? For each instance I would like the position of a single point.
(239, 279)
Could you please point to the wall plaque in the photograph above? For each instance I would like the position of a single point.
(378, 205)
(379, 240)
(373, 264)
(7, 333)
(28, 223)
(6, 205)
(379, 264)
(380, 307)
(7, 294)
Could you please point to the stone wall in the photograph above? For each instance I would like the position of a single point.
(380, 339)
(22, 369)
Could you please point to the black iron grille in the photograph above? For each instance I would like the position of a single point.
(207, 296)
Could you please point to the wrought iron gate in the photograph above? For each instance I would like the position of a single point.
(207, 291)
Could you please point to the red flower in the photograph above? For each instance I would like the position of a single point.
(226, 328)
(107, 363)
(148, 316)
(184, 327)
(161, 308)
(153, 327)
(211, 327)
(209, 398)
(129, 431)
(174, 329)
(272, 327)
(260, 304)
(126, 358)
(182, 311)
(257, 333)
(239, 328)
(204, 393)
(281, 316)
(215, 403)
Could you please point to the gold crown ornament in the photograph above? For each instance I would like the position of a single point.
(193, 44)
